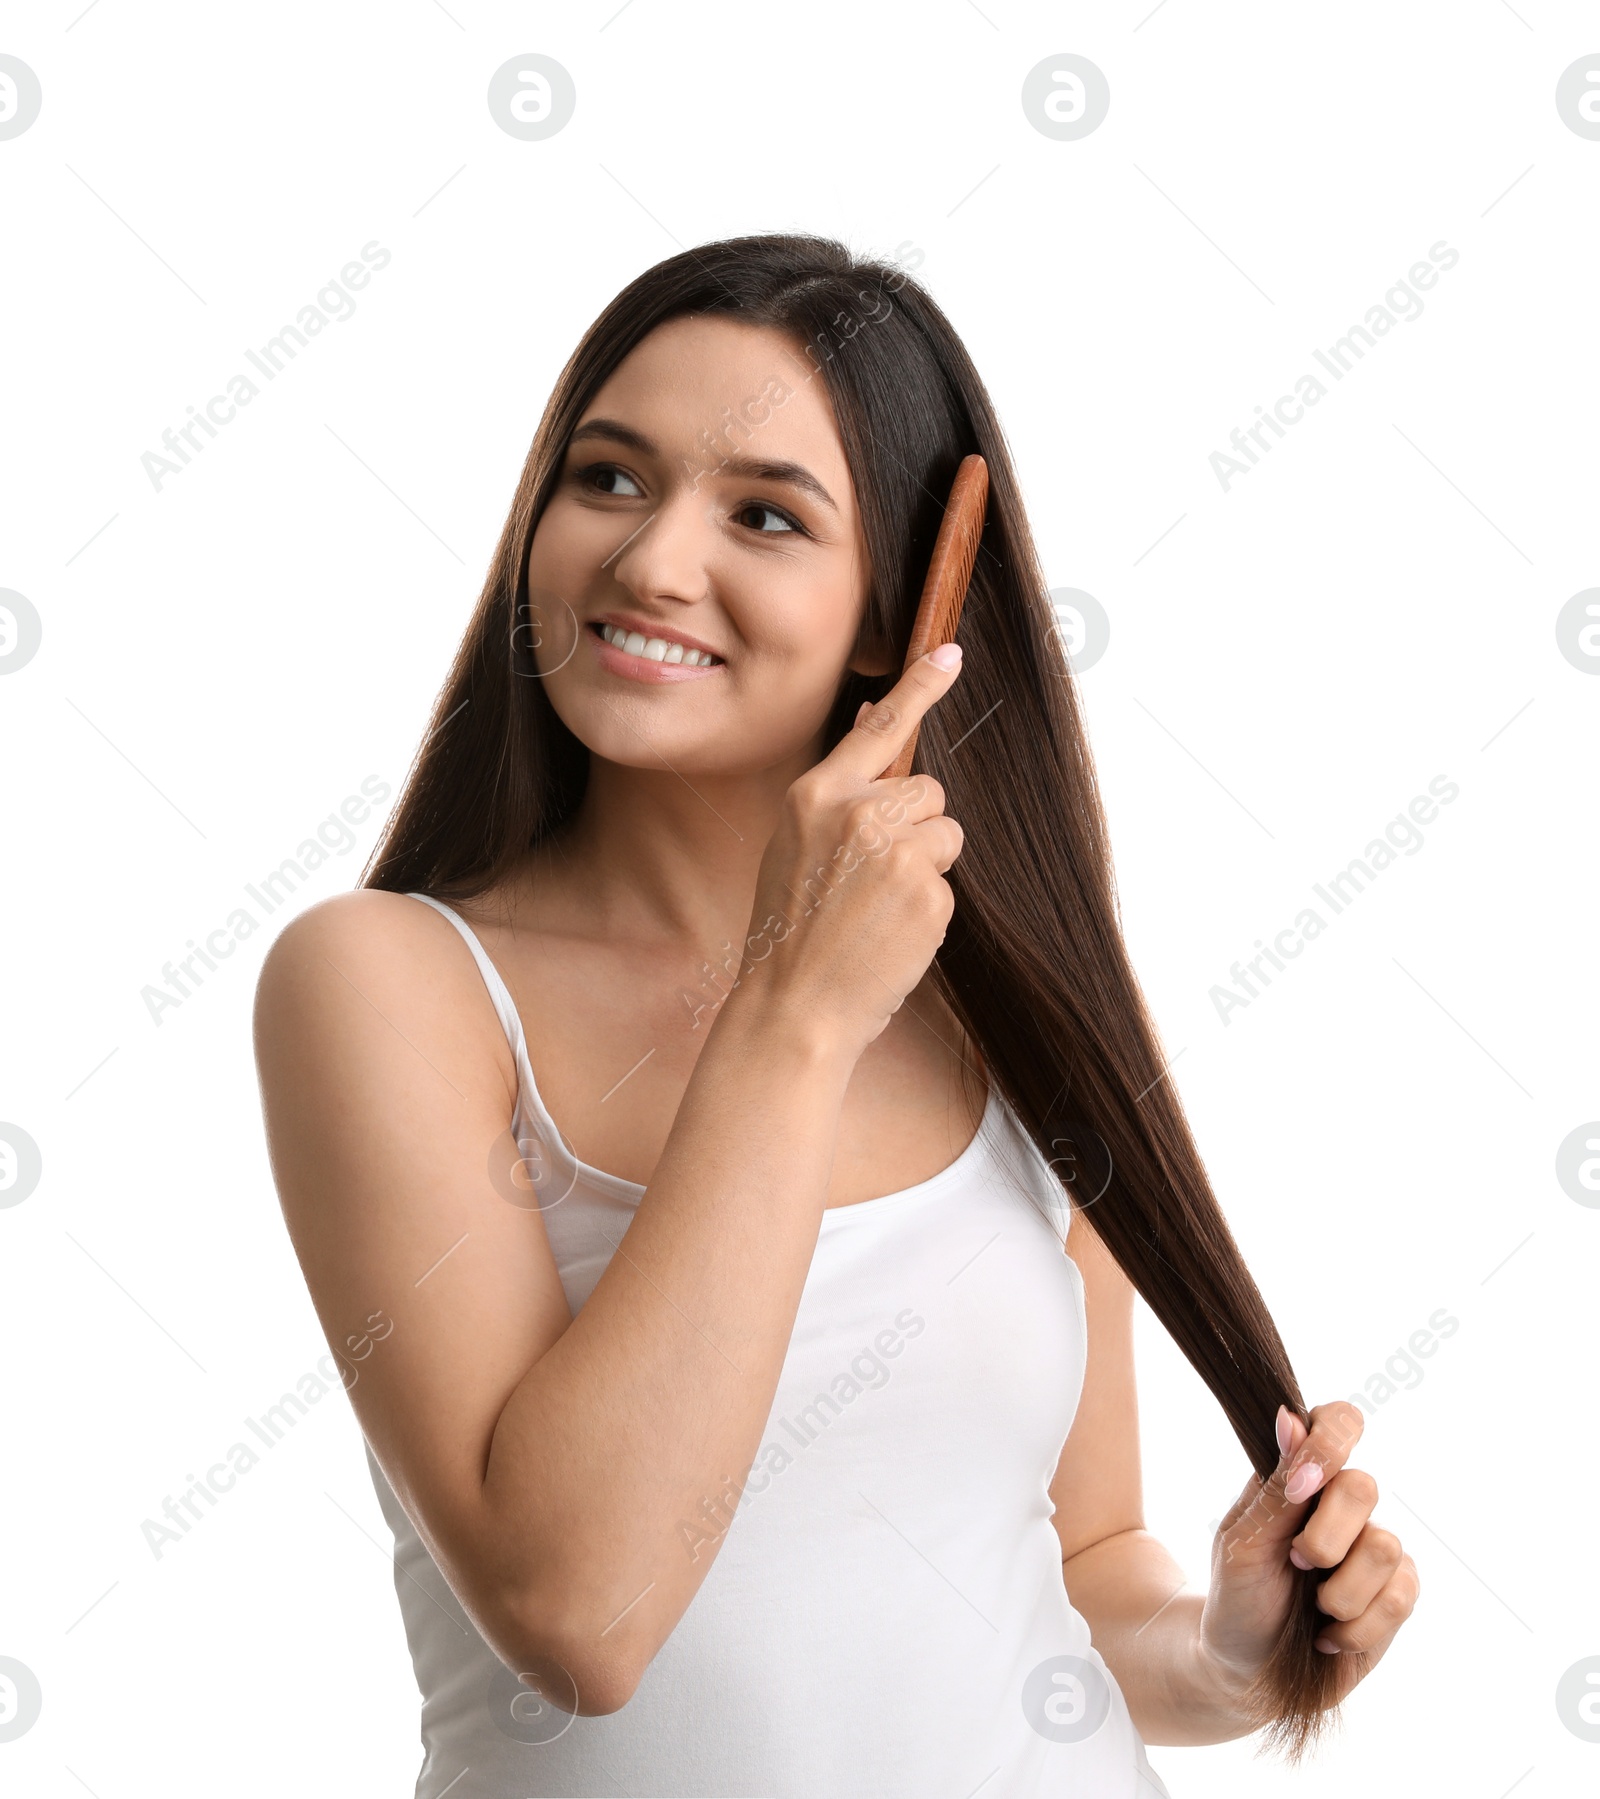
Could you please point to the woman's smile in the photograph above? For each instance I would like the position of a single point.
(623, 648)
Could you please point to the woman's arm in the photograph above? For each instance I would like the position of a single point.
(547, 1461)
(550, 1463)
(1128, 1588)
(1146, 1624)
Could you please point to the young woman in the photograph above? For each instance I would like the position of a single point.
(767, 1424)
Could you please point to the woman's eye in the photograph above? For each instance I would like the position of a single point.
(598, 473)
(758, 506)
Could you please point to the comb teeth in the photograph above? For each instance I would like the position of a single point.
(966, 555)
(955, 552)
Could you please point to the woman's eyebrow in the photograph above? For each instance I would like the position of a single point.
(752, 468)
(626, 434)
(742, 468)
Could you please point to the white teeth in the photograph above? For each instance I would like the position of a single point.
(655, 649)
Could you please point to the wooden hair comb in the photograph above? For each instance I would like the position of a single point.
(949, 574)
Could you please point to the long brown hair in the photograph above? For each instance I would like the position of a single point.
(1033, 962)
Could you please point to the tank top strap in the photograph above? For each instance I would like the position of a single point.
(499, 993)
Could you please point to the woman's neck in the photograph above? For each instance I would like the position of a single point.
(652, 856)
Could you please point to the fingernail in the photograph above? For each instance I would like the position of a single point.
(1299, 1561)
(948, 655)
(1285, 1424)
(1327, 1646)
(1303, 1482)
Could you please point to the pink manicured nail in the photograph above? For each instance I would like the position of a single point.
(1303, 1482)
(1285, 1420)
(1327, 1646)
(948, 655)
(1299, 1561)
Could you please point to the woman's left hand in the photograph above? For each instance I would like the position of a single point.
(1270, 1532)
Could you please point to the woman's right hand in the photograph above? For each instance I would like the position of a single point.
(851, 901)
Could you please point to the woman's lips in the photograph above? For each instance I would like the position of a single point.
(617, 661)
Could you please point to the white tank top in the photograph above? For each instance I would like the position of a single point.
(885, 1617)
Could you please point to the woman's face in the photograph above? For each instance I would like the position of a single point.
(703, 501)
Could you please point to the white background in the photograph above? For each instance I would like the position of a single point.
(225, 660)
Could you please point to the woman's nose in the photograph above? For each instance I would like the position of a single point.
(669, 554)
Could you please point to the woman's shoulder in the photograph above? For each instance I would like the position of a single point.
(367, 924)
(371, 954)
